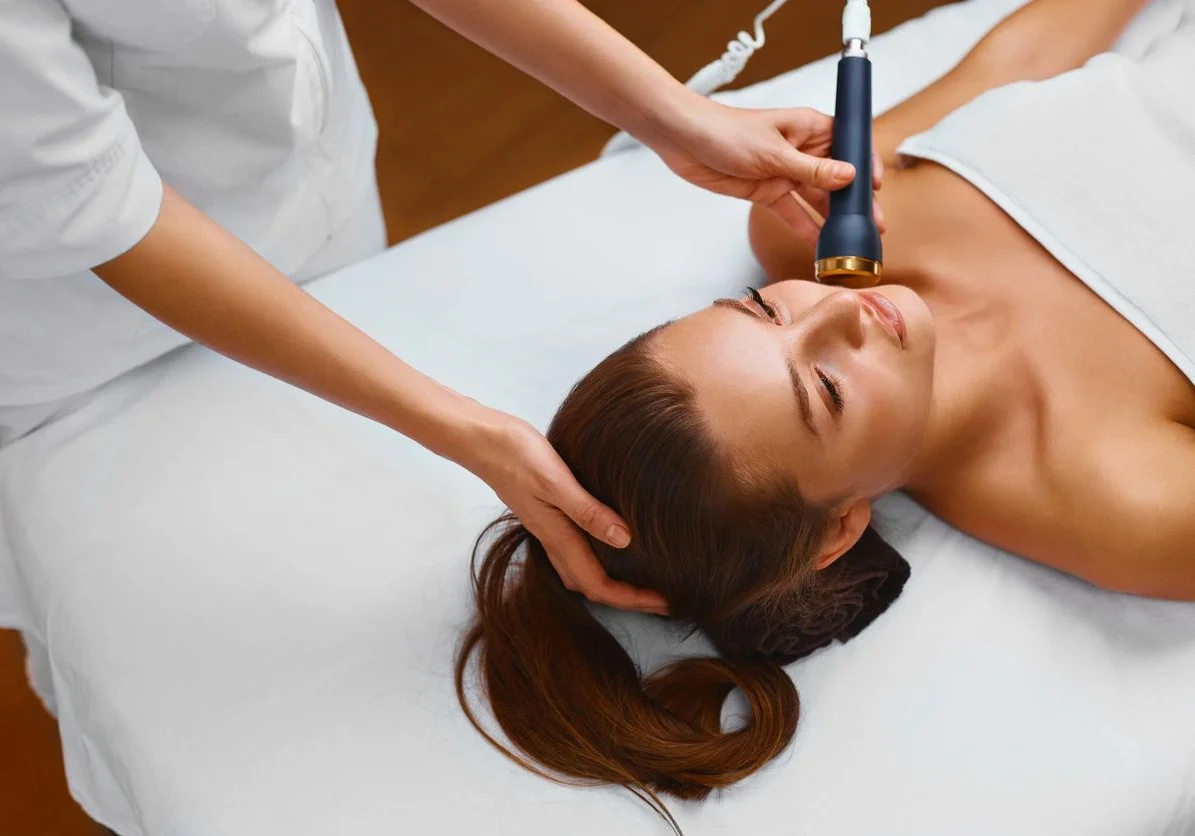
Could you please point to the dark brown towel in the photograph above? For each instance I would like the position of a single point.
(850, 594)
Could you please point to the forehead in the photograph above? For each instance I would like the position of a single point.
(738, 370)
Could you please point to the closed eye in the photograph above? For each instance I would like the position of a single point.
(759, 300)
(832, 389)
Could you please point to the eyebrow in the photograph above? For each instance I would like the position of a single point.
(793, 373)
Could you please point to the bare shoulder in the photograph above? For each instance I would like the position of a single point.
(1121, 513)
(1116, 508)
(1142, 512)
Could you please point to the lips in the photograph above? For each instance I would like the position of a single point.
(887, 313)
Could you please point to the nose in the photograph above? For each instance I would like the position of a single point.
(837, 318)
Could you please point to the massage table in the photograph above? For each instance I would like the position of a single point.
(243, 603)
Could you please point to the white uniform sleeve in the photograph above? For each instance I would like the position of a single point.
(76, 188)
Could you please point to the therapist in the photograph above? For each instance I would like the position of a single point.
(169, 169)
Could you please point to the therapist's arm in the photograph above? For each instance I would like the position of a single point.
(202, 281)
(758, 155)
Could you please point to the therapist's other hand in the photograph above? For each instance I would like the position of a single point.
(535, 483)
(762, 156)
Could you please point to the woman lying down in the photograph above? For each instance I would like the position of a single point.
(745, 443)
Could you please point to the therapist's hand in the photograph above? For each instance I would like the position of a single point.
(534, 482)
(759, 155)
(762, 156)
(199, 279)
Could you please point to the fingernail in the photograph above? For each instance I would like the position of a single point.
(617, 536)
(844, 171)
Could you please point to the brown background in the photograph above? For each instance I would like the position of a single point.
(459, 129)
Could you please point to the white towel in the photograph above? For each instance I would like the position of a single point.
(1098, 165)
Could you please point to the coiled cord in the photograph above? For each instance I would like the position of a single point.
(716, 74)
(856, 23)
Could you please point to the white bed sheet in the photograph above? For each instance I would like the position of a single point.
(248, 601)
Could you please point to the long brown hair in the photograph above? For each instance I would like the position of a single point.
(731, 553)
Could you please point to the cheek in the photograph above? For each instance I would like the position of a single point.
(892, 424)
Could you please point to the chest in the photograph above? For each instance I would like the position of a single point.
(1056, 378)
(1007, 312)
(1054, 351)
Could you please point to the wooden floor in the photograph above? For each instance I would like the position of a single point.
(459, 129)
(33, 796)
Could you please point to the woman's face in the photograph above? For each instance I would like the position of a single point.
(829, 386)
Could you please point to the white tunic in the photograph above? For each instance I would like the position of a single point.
(251, 109)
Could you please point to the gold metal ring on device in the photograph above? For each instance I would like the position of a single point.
(848, 271)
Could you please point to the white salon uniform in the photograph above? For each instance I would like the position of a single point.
(251, 109)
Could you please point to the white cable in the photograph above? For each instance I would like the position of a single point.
(719, 73)
(856, 21)
(738, 52)
(856, 25)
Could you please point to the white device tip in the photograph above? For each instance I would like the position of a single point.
(856, 21)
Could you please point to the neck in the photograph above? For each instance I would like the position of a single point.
(953, 434)
(970, 382)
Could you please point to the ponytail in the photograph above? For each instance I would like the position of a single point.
(573, 704)
(732, 552)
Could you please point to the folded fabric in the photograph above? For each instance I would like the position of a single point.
(1048, 153)
(848, 595)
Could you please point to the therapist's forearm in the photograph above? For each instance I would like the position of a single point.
(568, 48)
(202, 281)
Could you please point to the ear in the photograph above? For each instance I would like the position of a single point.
(846, 527)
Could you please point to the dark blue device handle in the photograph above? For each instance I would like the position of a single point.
(850, 229)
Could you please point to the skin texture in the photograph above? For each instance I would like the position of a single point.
(1054, 429)
(742, 352)
(1026, 358)
(789, 355)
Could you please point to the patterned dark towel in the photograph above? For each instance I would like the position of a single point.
(851, 593)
